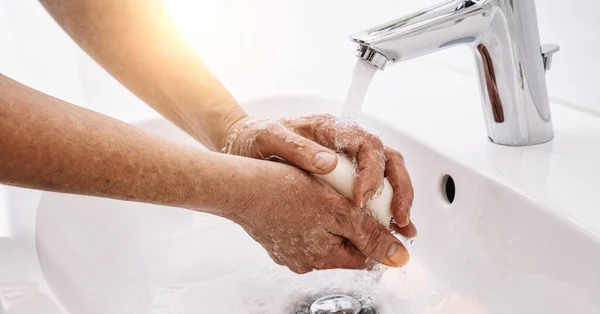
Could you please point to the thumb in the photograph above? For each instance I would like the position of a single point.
(298, 151)
(376, 242)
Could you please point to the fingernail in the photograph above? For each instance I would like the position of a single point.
(323, 160)
(403, 222)
(397, 255)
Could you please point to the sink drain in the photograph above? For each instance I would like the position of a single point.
(337, 304)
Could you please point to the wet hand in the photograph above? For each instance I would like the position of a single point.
(309, 143)
(304, 224)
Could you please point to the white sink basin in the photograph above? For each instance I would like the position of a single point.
(493, 250)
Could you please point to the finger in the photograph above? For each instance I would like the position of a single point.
(370, 162)
(355, 142)
(311, 126)
(396, 172)
(344, 255)
(296, 150)
(409, 231)
(375, 241)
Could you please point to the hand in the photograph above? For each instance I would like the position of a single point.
(307, 143)
(304, 224)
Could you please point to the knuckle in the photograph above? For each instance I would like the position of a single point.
(321, 120)
(396, 155)
(391, 153)
(375, 141)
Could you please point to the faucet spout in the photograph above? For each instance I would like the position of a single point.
(442, 26)
(504, 38)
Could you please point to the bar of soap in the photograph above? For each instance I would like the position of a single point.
(342, 179)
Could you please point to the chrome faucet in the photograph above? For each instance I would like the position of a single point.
(511, 63)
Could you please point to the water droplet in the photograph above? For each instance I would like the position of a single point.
(300, 142)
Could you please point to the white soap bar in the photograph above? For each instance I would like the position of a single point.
(342, 179)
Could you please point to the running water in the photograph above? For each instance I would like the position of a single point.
(361, 79)
(366, 282)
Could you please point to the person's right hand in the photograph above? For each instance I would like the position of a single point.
(304, 224)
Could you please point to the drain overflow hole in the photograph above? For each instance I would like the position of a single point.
(448, 188)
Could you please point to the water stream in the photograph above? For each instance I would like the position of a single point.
(362, 76)
(361, 80)
(408, 289)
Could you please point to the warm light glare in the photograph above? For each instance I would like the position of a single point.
(196, 19)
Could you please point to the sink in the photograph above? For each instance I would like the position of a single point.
(483, 247)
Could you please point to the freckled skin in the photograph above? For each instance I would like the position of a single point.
(46, 143)
(302, 223)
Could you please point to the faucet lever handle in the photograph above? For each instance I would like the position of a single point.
(548, 50)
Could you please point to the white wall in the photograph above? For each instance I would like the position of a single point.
(270, 39)
(574, 25)
(255, 47)
(256, 38)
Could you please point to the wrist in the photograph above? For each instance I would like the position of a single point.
(209, 122)
(229, 123)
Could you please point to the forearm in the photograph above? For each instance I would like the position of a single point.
(48, 144)
(140, 45)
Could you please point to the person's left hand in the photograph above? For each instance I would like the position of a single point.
(309, 143)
